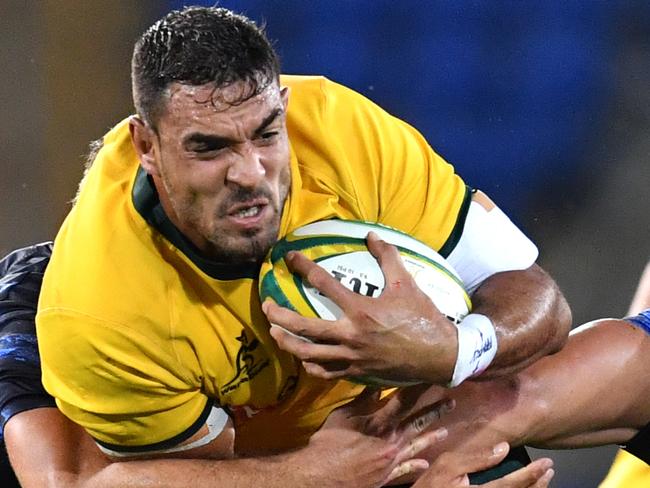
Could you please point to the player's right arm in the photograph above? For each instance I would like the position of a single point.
(48, 450)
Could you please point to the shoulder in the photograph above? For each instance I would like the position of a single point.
(26, 259)
(318, 97)
(21, 275)
(314, 87)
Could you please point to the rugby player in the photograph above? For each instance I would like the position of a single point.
(48, 450)
(151, 334)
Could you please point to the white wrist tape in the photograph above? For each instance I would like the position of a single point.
(477, 346)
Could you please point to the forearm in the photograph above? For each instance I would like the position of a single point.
(48, 450)
(593, 392)
(274, 471)
(530, 315)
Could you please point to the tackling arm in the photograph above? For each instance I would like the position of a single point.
(595, 391)
(48, 450)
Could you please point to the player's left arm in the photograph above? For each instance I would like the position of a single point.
(518, 312)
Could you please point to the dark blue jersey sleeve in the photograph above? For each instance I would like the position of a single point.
(642, 320)
(21, 275)
(639, 445)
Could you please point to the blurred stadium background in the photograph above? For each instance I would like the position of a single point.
(543, 105)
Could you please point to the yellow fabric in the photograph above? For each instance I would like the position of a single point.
(627, 471)
(135, 338)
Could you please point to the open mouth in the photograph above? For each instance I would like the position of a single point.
(248, 212)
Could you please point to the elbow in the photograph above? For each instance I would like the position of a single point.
(560, 313)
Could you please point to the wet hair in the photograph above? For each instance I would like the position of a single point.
(198, 46)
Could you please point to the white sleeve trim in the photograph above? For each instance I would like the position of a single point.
(490, 243)
(215, 422)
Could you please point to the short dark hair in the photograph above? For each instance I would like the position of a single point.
(197, 46)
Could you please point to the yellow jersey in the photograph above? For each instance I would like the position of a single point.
(140, 335)
(627, 471)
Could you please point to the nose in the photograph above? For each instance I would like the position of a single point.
(247, 169)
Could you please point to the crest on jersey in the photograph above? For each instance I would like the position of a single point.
(250, 361)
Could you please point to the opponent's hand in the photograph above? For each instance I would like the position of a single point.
(451, 468)
(371, 442)
(400, 335)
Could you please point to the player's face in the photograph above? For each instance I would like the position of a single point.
(223, 168)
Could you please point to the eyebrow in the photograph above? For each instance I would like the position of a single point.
(268, 120)
(220, 141)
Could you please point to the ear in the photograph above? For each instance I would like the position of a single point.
(284, 95)
(143, 138)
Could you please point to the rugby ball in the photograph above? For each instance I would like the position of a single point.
(339, 246)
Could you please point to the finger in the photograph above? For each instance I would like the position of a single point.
(423, 420)
(536, 475)
(307, 327)
(309, 351)
(400, 404)
(390, 261)
(363, 404)
(471, 462)
(320, 279)
(388, 417)
(330, 371)
(407, 467)
(545, 480)
(420, 443)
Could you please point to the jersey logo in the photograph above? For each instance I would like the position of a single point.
(248, 366)
(288, 388)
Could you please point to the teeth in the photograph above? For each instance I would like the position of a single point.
(248, 212)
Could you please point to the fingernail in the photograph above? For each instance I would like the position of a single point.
(546, 463)
(441, 434)
(547, 476)
(448, 406)
(289, 256)
(500, 448)
(372, 236)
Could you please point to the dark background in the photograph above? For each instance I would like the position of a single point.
(543, 105)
